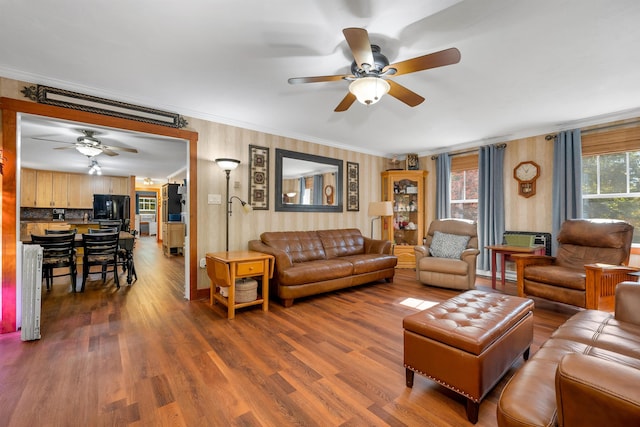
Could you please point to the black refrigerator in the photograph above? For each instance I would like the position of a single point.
(108, 206)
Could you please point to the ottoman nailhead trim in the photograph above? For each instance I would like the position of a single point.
(442, 383)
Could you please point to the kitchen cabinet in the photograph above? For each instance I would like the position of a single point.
(406, 189)
(28, 188)
(51, 189)
(111, 185)
(80, 191)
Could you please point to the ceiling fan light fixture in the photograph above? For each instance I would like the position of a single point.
(88, 150)
(369, 90)
(94, 167)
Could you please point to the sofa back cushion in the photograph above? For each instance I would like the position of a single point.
(300, 245)
(342, 242)
(584, 241)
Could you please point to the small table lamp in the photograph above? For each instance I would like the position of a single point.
(378, 210)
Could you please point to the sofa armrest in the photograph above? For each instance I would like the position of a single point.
(627, 302)
(602, 280)
(469, 255)
(421, 251)
(375, 246)
(608, 389)
(283, 260)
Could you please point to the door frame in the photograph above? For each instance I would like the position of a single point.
(10, 217)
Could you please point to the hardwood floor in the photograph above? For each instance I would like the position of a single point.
(143, 356)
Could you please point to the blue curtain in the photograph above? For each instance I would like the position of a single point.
(567, 181)
(490, 201)
(443, 190)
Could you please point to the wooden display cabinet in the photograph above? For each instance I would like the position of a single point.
(405, 229)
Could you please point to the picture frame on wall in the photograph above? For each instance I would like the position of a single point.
(259, 177)
(413, 163)
(353, 186)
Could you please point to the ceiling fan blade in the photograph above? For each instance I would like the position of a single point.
(297, 80)
(403, 94)
(345, 103)
(64, 148)
(108, 152)
(358, 40)
(116, 148)
(425, 62)
(50, 140)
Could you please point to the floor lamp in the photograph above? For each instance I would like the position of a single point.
(227, 165)
(378, 210)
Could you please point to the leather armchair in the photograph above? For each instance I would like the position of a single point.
(591, 260)
(448, 272)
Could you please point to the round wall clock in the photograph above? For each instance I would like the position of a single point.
(328, 191)
(526, 174)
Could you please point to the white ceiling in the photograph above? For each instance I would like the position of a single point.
(527, 67)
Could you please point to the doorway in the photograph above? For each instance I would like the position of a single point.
(11, 111)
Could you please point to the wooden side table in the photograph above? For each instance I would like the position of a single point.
(505, 252)
(223, 268)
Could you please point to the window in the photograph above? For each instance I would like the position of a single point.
(147, 204)
(464, 187)
(611, 187)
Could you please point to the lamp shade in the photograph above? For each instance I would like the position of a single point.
(369, 90)
(380, 208)
(88, 150)
(227, 164)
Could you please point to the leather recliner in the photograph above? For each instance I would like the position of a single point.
(449, 273)
(591, 260)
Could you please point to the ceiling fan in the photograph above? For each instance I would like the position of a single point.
(370, 67)
(91, 146)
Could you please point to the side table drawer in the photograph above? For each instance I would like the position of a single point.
(249, 268)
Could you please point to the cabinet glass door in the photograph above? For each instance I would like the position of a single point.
(405, 212)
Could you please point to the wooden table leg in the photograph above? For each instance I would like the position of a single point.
(493, 269)
(503, 267)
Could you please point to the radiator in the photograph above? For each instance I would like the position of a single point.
(537, 238)
(31, 292)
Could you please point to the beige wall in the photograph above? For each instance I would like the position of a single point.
(218, 140)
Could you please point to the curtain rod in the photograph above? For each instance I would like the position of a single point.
(460, 153)
(595, 129)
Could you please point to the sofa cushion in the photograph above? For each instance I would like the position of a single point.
(366, 263)
(446, 245)
(558, 276)
(300, 245)
(343, 242)
(443, 265)
(315, 271)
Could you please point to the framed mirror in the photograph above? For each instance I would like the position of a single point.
(307, 183)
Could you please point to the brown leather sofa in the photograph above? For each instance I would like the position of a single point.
(586, 374)
(314, 262)
(591, 260)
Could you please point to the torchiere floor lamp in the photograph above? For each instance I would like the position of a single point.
(227, 165)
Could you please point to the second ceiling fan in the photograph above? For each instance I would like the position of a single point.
(370, 66)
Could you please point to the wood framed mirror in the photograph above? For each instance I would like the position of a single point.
(302, 181)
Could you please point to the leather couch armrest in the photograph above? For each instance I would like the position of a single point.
(421, 252)
(283, 260)
(627, 302)
(375, 246)
(469, 255)
(596, 392)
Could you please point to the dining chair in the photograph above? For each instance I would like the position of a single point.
(100, 249)
(110, 223)
(67, 231)
(57, 252)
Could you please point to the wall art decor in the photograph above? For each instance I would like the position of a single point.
(353, 186)
(259, 177)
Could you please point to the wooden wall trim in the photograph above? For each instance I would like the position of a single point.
(10, 108)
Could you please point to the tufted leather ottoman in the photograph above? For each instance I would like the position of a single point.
(468, 342)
